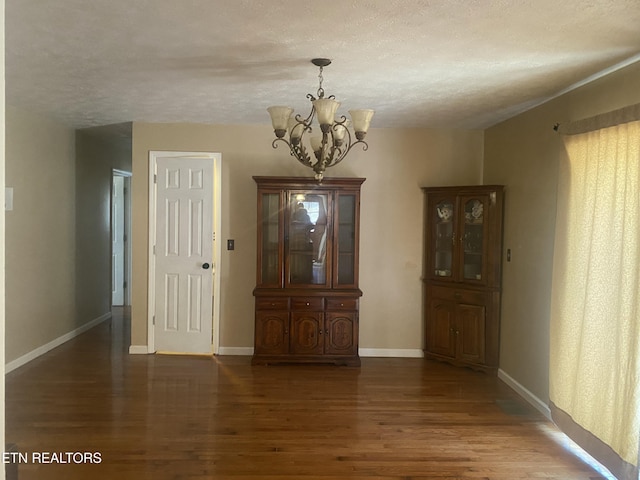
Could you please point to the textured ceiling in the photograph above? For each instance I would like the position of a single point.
(429, 63)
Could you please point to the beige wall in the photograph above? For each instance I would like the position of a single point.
(40, 234)
(98, 151)
(524, 153)
(396, 165)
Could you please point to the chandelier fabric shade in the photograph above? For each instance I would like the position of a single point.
(335, 138)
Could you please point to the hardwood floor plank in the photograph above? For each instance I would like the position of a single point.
(195, 418)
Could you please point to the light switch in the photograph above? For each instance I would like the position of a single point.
(230, 244)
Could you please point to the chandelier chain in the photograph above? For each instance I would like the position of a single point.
(320, 89)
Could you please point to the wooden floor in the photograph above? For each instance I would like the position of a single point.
(164, 417)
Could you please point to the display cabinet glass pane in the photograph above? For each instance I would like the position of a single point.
(346, 239)
(472, 239)
(308, 239)
(270, 261)
(443, 238)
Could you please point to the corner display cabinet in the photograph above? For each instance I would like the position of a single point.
(307, 293)
(462, 274)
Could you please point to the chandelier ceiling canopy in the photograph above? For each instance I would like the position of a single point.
(334, 140)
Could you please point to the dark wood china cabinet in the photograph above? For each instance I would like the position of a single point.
(462, 274)
(307, 294)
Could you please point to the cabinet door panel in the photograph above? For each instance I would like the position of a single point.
(471, 332)
(346, 241)
(340, 333)
(442, 221)
(269, 234)
(308, 247)
(441, 328)
(272, 333)
(307, 335)
(473, 241)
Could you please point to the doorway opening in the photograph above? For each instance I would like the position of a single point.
(120, 238)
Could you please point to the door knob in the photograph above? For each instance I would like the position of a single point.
(205, 266)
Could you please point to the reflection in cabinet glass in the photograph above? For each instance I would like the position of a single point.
(307, 291)
(462, 274)
(307, 247)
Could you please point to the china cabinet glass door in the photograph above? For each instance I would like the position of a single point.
(472, 240)
(269, 241)
(307, 230)
(443, 220)
(346, 258)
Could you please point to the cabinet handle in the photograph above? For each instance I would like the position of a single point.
(321, 332)
(308, 304)
(286, 332)
(326, 331)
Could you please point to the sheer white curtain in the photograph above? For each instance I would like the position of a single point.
(595, 312)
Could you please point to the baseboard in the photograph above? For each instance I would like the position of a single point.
(391, 352)
(247, 351)
(363, 352)
(32, 355)
(235, 351)
(524, 393)
(138, 350)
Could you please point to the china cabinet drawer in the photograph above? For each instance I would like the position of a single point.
(307, 303)
(458, 295)
(272, 303)
(342, 303)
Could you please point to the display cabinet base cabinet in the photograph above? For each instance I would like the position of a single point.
(462, 274)
(310, 330)
(460, 329)
(307, 293)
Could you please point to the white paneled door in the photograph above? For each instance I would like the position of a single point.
(183, 275)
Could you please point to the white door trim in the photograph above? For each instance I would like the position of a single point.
(217, 250)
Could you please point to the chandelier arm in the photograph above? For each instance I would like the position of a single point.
(343, 153)
(300, 154)
(342, 121)
(305, 123)
(297, 152)
(274, 144)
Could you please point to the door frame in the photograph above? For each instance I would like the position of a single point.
(216, 158)
(115, 172)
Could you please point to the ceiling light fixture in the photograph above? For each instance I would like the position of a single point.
(336, 140)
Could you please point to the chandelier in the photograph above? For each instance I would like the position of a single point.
(335, 139)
